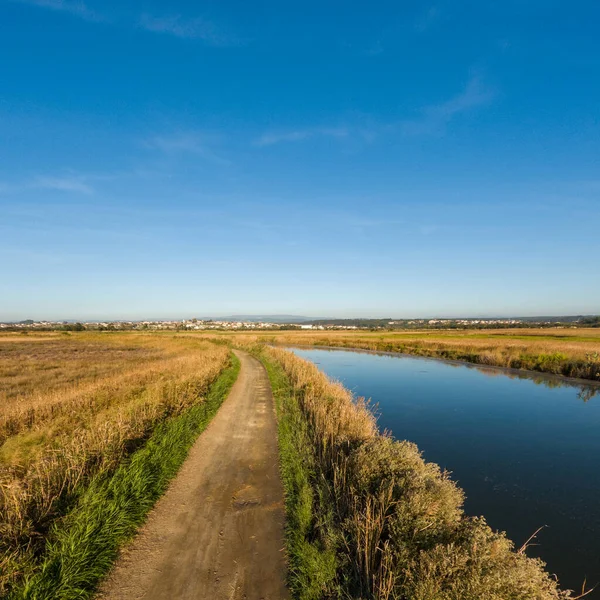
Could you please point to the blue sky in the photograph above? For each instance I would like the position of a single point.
(333, 158)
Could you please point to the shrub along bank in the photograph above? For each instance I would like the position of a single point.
(368, 518)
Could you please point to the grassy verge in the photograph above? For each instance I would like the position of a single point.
(82, 546)
(312, 558)
(368, 518)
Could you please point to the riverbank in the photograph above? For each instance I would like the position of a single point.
(367, 517)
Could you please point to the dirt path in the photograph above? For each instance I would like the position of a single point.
(218, 531)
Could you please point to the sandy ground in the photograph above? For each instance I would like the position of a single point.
(218, 532)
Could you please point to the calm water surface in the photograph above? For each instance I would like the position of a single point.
(526, 450)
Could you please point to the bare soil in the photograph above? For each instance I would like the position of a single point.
(218, 532)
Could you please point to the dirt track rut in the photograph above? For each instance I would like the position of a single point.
(218, 532)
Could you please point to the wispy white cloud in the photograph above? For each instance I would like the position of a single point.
(73, 7)
(176, 25)
(361, 129)
(435, 117)
(63, 184)
(196, 28)
(299, 135)
(187, 143)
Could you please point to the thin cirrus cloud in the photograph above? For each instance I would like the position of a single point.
(73, 7)
(175, 25)
(435, 117)
(433, 120)
(63, 184)
(196, 28)
(299, 135)
(186, 143)
(67, 183)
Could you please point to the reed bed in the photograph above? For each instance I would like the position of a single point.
(54, 442)
(369, 518)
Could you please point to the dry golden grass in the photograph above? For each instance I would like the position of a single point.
(75, 408)
(30, 365)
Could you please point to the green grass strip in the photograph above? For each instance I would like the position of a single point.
(84, 544)
(311, 553)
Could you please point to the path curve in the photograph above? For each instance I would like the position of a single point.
(218, 532)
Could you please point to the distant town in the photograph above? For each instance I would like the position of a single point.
(301, 323)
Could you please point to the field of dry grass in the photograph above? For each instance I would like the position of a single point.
(71, 407)
(567, 352)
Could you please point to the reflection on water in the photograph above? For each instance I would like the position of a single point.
(585, 391)
(524, 447)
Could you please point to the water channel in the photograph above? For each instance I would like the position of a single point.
(525, 448)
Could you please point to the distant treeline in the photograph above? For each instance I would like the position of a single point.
(589, 322)
(523, 322)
